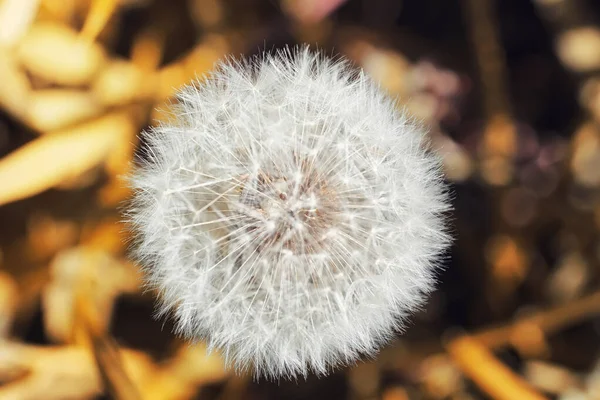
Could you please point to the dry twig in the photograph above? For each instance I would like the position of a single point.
(490, 374)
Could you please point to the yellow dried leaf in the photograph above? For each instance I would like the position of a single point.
(550, 378)
(395, 393)
(73, 366)
(91, 277)
(58, 108)
(507, 259)
(55, 52)
(15, 18)
(387, 67)
(9, 297)
(200, 60)
(61, 10)
(195, 365)
(585, 162)
(171, 78)
(54, 158)
(121, 82)
(440, 377)
(147, 49)
(15, 85)
(47, 235)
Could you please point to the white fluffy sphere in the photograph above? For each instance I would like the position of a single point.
(289, 215)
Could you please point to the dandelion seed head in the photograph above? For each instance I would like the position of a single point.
(289, 215)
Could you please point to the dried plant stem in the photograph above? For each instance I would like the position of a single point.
(106, 352)
(110, 366)
(478, 363)
(499, 137)
(547, 322)
(97, 18)
(489, 54)
(472, 353)
(148, 48)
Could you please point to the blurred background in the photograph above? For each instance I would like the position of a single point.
(510, 91)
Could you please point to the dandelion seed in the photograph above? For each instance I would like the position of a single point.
(290, 215)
